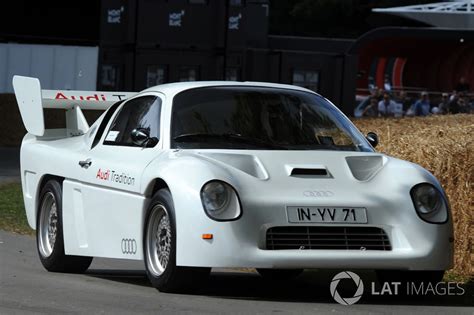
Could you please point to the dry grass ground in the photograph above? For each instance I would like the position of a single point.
(444, 145)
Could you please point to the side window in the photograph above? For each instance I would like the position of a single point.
(104, 123)
(142, 112)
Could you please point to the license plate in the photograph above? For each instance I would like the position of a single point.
(326, 215)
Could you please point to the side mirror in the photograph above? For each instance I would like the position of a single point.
(141, 137)
(372, 138)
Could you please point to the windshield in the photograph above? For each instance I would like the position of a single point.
(260, 118)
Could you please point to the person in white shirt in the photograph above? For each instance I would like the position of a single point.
(387, 85)
(388, 107)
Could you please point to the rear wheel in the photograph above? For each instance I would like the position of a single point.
(279, 274)
(160, 249)
(49, 233)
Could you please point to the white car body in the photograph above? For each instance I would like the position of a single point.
(105, 204)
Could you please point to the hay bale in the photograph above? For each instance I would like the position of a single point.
(444, 145)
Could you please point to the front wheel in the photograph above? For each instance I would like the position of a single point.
(49, 233)
(160, 249)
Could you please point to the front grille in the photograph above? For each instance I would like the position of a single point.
(327, 237)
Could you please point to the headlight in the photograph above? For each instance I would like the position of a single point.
(220, 201)
(429, 203)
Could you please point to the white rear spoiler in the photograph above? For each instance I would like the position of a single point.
(31, 101)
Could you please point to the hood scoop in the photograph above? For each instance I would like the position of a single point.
(249, 164)
(308, 171)
(364, 168)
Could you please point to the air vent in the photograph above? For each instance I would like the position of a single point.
(327, 237)
(309, 172)
(365, 167)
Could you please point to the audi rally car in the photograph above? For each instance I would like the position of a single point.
(190, 176)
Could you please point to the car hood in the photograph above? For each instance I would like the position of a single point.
(293, 177)
(343, 171)
(272, 165)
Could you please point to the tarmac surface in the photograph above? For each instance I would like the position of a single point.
(121, 287)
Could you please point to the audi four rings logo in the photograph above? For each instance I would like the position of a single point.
(318, 193)
(129, 246)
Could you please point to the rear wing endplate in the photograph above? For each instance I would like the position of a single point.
(32, 100)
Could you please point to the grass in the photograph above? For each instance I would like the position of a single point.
(12, 211)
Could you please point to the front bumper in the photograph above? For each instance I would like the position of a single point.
(415, 244)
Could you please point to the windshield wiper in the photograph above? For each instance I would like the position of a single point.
(235, 137)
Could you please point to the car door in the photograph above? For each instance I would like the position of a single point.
(107, 208)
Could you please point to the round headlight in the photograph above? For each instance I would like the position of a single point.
(429, 203)
(427, 199)
(215, 196)
(220, 201)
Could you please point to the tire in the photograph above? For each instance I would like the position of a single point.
(406, 276)
(49, 233)
(160, 251)
(279, 274)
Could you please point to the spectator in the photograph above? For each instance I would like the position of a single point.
(371, 109)
(411, 111)
(379, 94)
(387, 85)
(386, 106)
(471, 107)
(372, 87)
(404, 100)
(467, 106)
(463, 105)
(459, 105)
(462, 85)
(422, 106)
(443, 106)
(453, 95)
(453, 102)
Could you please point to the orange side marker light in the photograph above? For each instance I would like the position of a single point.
(207, 236)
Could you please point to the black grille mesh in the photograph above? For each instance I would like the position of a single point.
(327, 237)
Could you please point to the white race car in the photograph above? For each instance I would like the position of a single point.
(190, 176)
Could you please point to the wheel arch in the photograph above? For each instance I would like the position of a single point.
(44, 179)
(155, 185)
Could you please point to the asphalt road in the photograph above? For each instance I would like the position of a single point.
(121, 287)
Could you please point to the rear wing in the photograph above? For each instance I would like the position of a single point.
(32, 100)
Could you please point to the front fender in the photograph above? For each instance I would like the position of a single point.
(185, 174)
